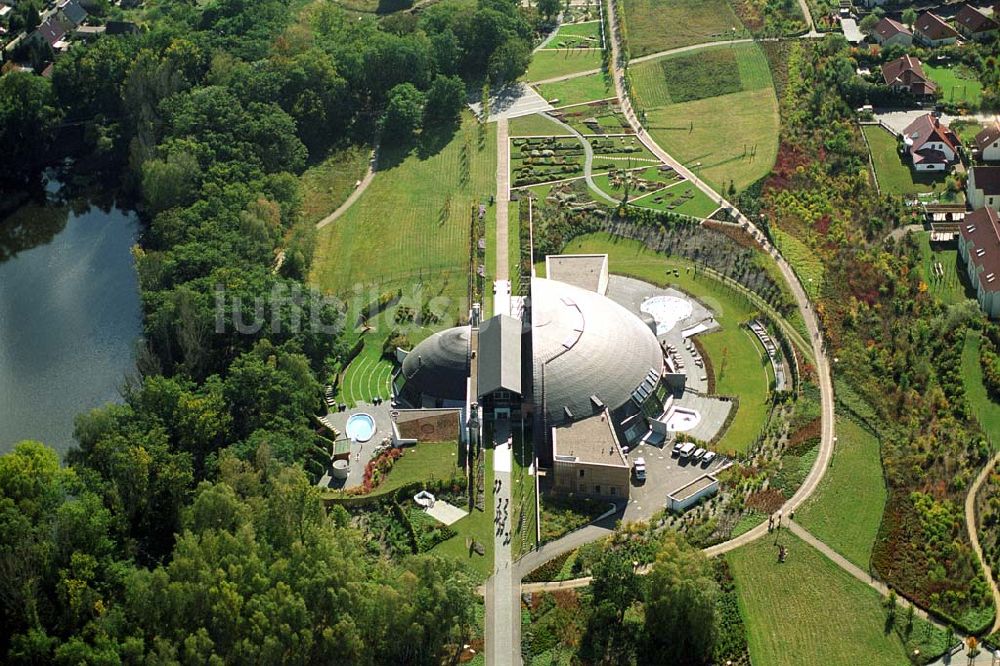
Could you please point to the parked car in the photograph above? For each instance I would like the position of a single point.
(709, 457)
(698, 453)
(677, 448)
(640, 469)
(686, 450)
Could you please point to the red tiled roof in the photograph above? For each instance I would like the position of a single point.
(907, 71)
(987, 136)
(982, 236)
(923, 130)
(974, 20)
(933, 27)
(887, 28)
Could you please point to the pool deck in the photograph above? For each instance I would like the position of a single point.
(361, 452)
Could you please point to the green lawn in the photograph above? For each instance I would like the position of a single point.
(745, 374)
(523, 498)
(478, 525)
(682, 198)
(894, 175)
(807, 265)
(368, 376)
(949, 287)
(808, 611)
(846, 509)
(957, 84)
(536, 125)
(660, 25)
(578, 90)
(987, 412)
(410, 229)
(709, 72)
(577, 35)
(738, 146)
(327, 184)
(550, 64)
(966, 130)
(514, 244)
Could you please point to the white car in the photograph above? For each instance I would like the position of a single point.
(698, 453)
(640, 469)
(709, 457)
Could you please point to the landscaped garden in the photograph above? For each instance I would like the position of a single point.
(681, 98)
(578, 90)
(538, 160)
(894, 175)
(846, 509)
(653, 26)
(585, 35)
(734, 354)
(551, 64)
(368, 376)
(410, 228)
(956, 83)
(536, 124)
(598, 118)
(807, 610)
(942, 270)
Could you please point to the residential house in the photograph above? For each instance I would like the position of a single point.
(987, 143)
(906, 74)
(53, 31)
(892, 33)
(931, 145)
(71, 12)
(979, 247)
(973, 24)
(932, 30)
(983, 187)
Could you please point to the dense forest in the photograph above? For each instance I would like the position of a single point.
(183, 528)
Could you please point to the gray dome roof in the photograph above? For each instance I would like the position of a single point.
(439, 366)
(588, 346)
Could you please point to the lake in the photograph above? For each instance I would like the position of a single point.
(70, 314)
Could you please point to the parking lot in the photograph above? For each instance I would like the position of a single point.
(665, 473)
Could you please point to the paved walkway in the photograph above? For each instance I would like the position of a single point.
(588, 161)
(502, 199)
(970, 522)
(503, 609)
(358, 191)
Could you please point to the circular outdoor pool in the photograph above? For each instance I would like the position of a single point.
(360, 427)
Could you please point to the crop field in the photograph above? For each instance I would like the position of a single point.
(410, 229)
(807, 610)
(536, 125)
(846, 509)
(551, 64)
(578, 90)
(738, 146)
(735, 355)
(894, 175)
(660, 25)
(957, 84)
(327, 184)
(368, 376)
(577, 35)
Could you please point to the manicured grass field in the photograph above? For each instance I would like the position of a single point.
(579, 89)
(410, 229)
(368, 376)
(987, 412)
(966, 130)
(550, 64)
(745, 374)
(804, 261)
(951, 287)
(695, 202)
(535, 125)
(709, 72)
(738, 145)
(846, 509)
(326, 185)
(956, 84)
(478, 525)
(660, 25)
(576, 35)
(895, 176)
(808, 611)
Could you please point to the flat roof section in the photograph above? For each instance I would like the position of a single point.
(591, 440)
(587, 271)
(694, 487)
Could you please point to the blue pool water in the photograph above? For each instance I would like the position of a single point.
(360, 427)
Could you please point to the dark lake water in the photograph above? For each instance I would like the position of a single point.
(69, 314)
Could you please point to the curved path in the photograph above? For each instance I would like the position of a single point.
(588, 160)
(356, 194)
(970, 522)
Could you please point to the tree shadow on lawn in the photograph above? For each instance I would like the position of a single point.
(428, 143)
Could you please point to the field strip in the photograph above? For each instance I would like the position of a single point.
(587, 103)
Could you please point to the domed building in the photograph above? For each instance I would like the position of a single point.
(436, 372)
